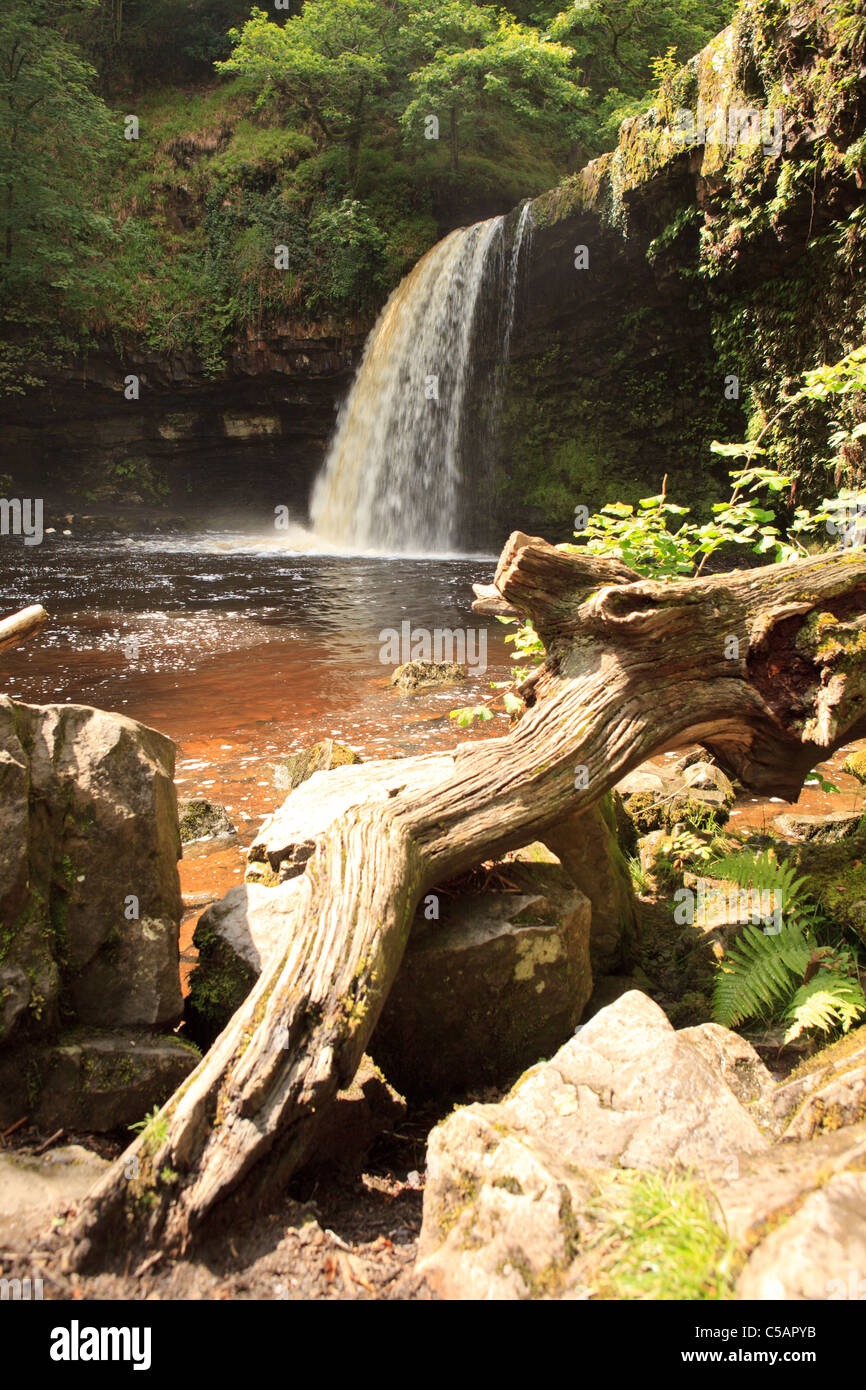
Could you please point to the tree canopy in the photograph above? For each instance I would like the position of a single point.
(54, 136)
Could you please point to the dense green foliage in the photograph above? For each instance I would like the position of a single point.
(315, 137)
(54, 137)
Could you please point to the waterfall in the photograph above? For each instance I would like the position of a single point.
(393, 472)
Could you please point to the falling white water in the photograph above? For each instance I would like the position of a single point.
(391, 479)
(523, 231)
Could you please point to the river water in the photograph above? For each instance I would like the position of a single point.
(241, 651)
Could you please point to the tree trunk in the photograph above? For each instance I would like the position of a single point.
(737, 662)
(455, 162)
(20, 626)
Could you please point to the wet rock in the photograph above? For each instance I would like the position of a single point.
(33, 1190)
(202, 820)
(295, 768)
(825, 829)
(508, 1184)
(92, 1081)
(89, 893)
(417, 675)
(497, 980)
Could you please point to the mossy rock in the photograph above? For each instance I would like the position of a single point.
(200, 820)
(420, 675)
(295, 768)
(217, 987)
(647, 812)
(855, 765)
(836, 878)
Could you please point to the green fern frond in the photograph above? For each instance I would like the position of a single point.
(763, 873)
(828, 1001)
(760, 974)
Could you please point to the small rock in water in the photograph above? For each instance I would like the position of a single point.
(200, 820)
(295, 768)
(416, 674)
(823, 829)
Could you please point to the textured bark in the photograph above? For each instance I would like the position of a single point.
(735, 662)
(20, 626)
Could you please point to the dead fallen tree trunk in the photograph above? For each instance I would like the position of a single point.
(20, 626)
(763, 667)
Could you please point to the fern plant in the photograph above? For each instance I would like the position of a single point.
(784, 971)
(832, 999)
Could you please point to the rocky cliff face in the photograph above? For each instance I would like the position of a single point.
(671, 291)
(227, 450)
(678, 285)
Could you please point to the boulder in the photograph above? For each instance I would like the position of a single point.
(657, 798)
(497, 980)
(234, 937)
(34, 1189)
(421, 675)
(91, 1081)
(89, 895)
(825, 829)
(202, 820)
(509, 1186)
(819, 1253)
(293, 769)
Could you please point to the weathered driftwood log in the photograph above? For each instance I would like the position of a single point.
(19, 626)
(763, 667)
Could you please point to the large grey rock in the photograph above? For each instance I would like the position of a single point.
(755, 1194)
(91, 1081)
(33, 1190)
(507, 1184)
(820, 1253)
(89, 894)
(498, 981)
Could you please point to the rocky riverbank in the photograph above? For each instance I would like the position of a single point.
(534, 1186)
